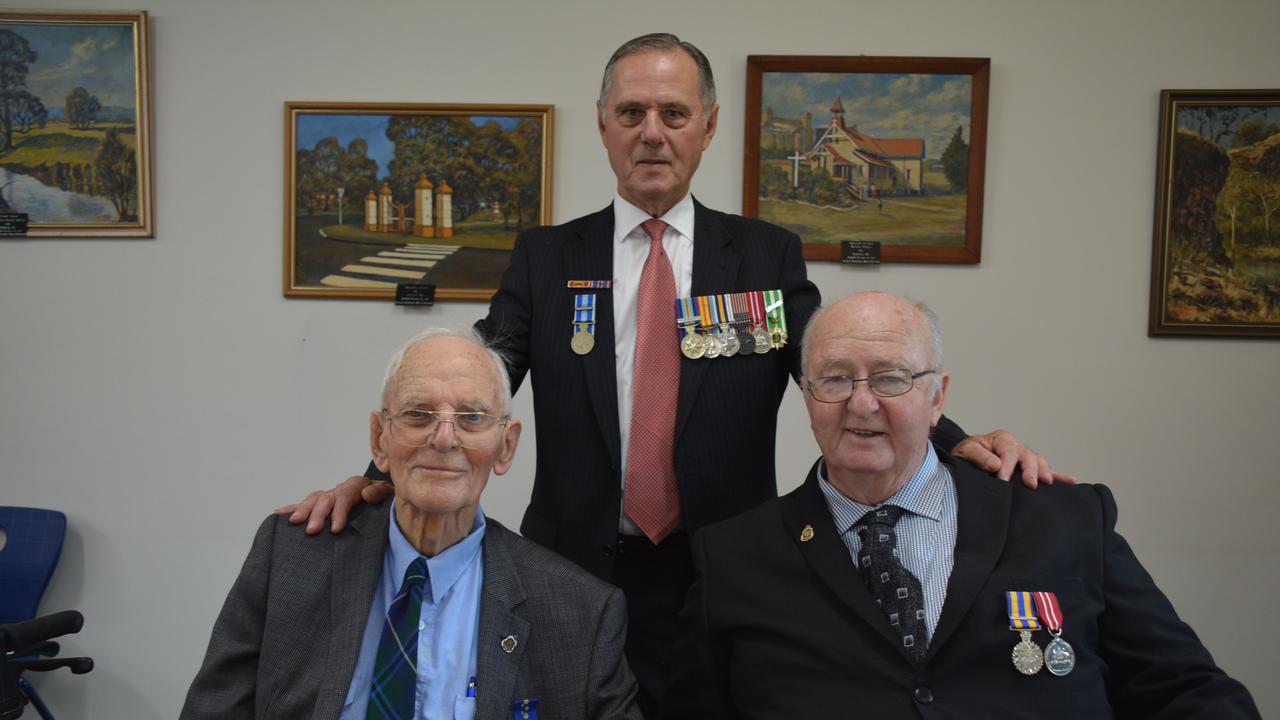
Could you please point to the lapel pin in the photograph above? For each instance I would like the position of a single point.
(509, 644)
(806, 534)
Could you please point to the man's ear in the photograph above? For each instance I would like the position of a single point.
(712, 121)
(507, 451)
(600, 119)
(380, 458)
(940, 398)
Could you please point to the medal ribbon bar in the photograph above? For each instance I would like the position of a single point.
(1050, 612)
(1022, 613)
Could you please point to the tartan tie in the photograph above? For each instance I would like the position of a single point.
(651, 498)
(395, 674)
(897, 592)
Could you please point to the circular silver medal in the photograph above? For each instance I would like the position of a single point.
(1027, 657)
(582, 342)
(762, 340)
(1059, 657)
(714, 347)
(730, 343)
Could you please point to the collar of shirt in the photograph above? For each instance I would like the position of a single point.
(627, 219)
(443, 569)
(922, 495)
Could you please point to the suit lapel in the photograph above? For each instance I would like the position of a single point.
(357, 563)
(497, 669)
(589, 256)
(828, 556)
(982, 511)
(715, 270)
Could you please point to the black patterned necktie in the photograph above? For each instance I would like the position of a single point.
(896, 590)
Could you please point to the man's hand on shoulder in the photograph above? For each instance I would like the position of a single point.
(1000, 452)
(320, 504)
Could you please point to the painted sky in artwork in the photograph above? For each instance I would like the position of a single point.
(372, 128)
(879, 104)
(98, 58)
(1187, 120)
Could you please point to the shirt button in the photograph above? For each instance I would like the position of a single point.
(923, 695)
(421, 626)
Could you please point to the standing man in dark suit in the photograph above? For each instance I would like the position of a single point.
(881, 587)
(618, 501)
(424, 608)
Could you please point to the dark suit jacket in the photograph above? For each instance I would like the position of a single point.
(782, 628)
(286, 642)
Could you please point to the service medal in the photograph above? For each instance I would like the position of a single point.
(714, 348)
(693, 346)
(582, 341)
(1059, 657)
(730, 343)
(747, 342)
(762, 340)
(1027, 657)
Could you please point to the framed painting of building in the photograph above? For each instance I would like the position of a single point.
(75, 123)
(383, 194)
(884, 149)
(1215, 266)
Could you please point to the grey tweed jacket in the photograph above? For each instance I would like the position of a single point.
(286, 642)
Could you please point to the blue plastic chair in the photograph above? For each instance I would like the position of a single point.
(32, 546)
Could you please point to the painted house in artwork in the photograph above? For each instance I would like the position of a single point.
(891, 165)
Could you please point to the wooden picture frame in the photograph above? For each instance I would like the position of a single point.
(1215, 265)
(433, 193)
(822, 131)
(78, 163)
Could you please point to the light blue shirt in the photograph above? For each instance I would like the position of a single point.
(447, 628)
(926, 531)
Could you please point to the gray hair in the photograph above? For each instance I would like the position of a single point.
(935, 338)
(470, 335)
(665, 42)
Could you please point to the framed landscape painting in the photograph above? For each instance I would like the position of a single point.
(1216, 256)
(383, 194)
(75, 123)
(883, 149)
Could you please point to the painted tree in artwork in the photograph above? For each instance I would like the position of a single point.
(29, 113)
(955, 162)
(1200, 170)
(16, 56)
(81, 108)
(117, 173)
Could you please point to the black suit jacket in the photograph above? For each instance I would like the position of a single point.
(782, 628)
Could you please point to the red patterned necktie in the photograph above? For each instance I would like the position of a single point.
(652, 499)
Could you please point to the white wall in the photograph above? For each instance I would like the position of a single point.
(166, 396)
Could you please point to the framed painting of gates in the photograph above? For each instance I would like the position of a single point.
(381, 194)
(1215, 267)
(75, 123)
(884, 149)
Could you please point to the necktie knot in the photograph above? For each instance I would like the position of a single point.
(886, 516)
(654, 228)
(415, 576)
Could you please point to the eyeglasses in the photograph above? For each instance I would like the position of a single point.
(473, 430)
(885, 384)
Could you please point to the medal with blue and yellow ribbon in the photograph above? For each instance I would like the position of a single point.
(1027, 657)
(584, 321)
(692, 345)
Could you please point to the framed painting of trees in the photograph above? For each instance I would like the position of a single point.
(382, 194)
(1216, 261)
(884, 149)
(75, 123)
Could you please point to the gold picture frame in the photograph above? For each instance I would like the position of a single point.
(382, 194)
(77, 163)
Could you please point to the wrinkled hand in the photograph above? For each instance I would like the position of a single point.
(999, 452)
(319, 504)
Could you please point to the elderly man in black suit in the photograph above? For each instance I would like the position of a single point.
(638, 446)
(887, 584)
